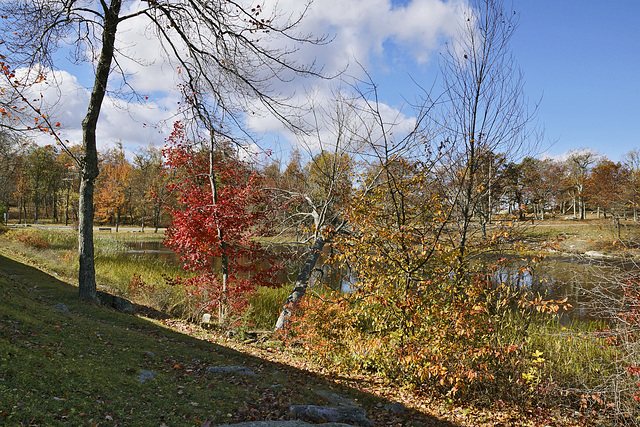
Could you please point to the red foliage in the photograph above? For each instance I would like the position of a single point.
(197, 222)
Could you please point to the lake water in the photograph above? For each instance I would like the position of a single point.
(155, 249)
(558, 276)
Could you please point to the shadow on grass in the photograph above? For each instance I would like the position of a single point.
(66, 362)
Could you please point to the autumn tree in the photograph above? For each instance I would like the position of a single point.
(217, 223)
(113, 186)
(149, 185)
(604, 187)
(71, 179)
(542, 183)
(9, 166)
(420, 310)
(45, 178)
(224, 51)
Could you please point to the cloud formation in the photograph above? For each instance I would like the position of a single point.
(362, 33)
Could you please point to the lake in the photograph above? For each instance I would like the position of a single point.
(558, 276)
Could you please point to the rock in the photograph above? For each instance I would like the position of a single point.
(241, 370)
(150, 354)
(332, 414)
(145, 376)
(118, 303)
(596, 254)
(61, 307)
(395, 407)
(206, 318)
(123, 305)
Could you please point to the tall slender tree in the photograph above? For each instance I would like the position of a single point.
(482, 109)
(224, 51)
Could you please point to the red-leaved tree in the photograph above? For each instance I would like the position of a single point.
(220, 212)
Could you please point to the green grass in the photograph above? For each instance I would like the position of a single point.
(81, 367)
(577, 357)
(114, 268)
(266, 306)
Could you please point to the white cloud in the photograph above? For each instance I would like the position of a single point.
(64, 100)
(562, 157)
(362, 31)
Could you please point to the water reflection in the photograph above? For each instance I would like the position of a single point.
(154, 249)
(557, 277)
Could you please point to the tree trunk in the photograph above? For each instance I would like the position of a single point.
(87, 273)
(224, 256)
(302, 283)
(117, 220)
(89, 171)
(35, 205)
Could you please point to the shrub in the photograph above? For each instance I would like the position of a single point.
(32, 240)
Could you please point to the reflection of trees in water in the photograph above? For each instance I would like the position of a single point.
(578, 279)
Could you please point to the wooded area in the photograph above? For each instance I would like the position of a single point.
(39, 184)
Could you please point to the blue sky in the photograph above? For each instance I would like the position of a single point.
(580, 57)
(582, 60)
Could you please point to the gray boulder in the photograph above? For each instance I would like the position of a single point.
(61, 307)
(332, 414)
(118, 303)
(281, 424)
(240, 370)
(145, 376)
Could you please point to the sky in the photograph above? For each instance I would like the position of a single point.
(580, 61)
(582, 58)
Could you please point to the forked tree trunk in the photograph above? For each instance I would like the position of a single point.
(302, 283)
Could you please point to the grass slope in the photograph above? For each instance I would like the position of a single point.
(82, 367)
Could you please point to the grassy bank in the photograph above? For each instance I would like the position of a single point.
(56, 251)
(65, 362)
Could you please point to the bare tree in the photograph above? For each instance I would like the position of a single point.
(482, 110)
(225, 52)
(322, 192)
(579, 163)
(632, 163)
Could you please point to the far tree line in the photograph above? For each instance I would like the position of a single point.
(41, 183)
